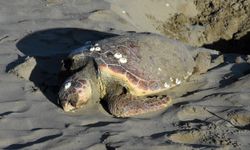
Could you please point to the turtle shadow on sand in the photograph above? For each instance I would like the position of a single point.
(239, 46)
(44, 51)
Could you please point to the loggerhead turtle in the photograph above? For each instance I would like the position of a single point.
(129, 72)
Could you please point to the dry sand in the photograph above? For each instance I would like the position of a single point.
(211, 111)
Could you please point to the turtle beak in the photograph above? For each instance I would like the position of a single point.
(67, 107)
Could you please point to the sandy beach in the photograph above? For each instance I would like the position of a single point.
(209, 111)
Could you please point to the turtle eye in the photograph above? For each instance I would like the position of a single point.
(77, 85)
(73, 102)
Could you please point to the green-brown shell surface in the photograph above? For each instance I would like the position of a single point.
(144, 63)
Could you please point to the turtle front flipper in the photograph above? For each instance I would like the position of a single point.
(128, 105)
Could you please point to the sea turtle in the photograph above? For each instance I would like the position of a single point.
(129, 72)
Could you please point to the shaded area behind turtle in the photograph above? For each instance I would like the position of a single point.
(237, 46)
(49, 47)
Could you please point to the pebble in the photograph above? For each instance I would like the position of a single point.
(177, 81)
(98, 49)
(166, 85)
(118, 55)
(123, 60)
(92, 49)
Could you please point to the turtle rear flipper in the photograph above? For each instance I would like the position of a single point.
(128, 105)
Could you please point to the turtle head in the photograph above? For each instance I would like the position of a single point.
(75, 93)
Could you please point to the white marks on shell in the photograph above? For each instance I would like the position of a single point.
(118, 55)
(189, 73)
(67, 85)
(124, 12)
(186, 77)
(167, 4)
(120, 58)
(166, 85)
(98, 49)
(95, 48)
(173, 82)
(177, 81)
(123, 60)
(92, 49)
(159, 71)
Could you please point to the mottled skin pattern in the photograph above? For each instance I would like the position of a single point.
(143, 64)
(76, 93)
